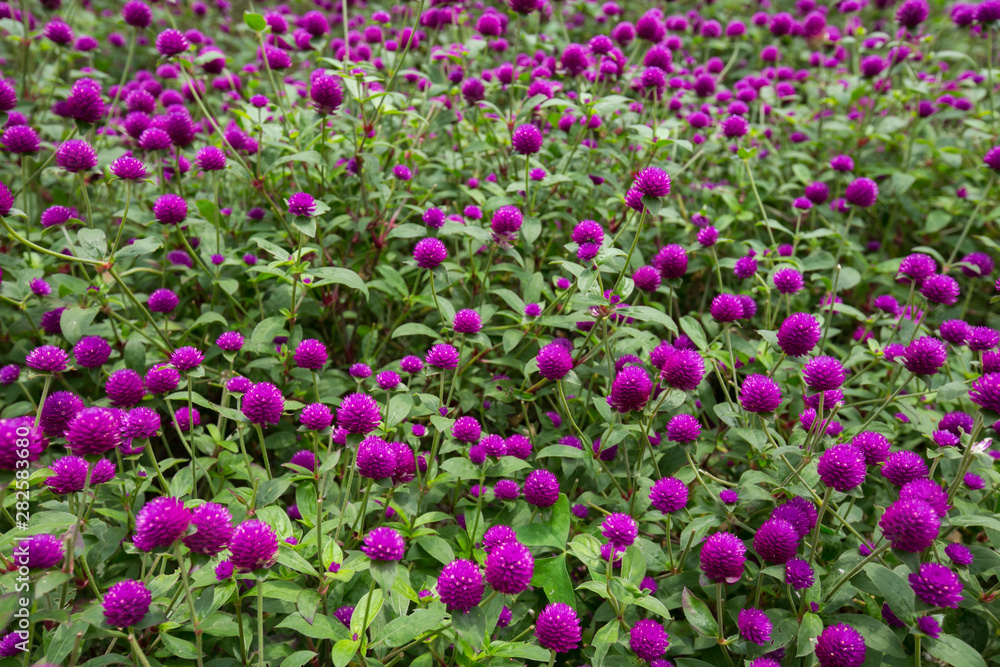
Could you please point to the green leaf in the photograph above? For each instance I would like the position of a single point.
(633, 565)
(809, 630)
(74, 321)
(179, 647)
(471, 626)
(293, 560)
(403, 630)
(414, 329)
(135, 354)
(698, 614)
(690, 326)
(551, 575)
(305, 225)
(92, 243)
(437, 547)
(298, 659)
(552, 533)
(952, 390)
(894, 588)
(384, 573)
(63, 640)
(343, 651)
(264, 333)
(143, 246)
(254, 21)
(322, 627)
(652, 204)
(954, 651)
(520, 650)
(341, 276)
(399, 409)
(358, 617)
(647, 314)
(564, 451)
(461, 468)
(605, 638)
(308, 603)
(408, 231)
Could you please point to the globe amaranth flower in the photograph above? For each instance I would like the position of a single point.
(128, 168)
(6, 199)
(554, 361)
(311, 354)
(840, 646)
(460, 585)
(316, 417)
(904, 466)
(726, 308)
(518, 446)
(93, 431)
(925, 356)
(211, 158)
(842, 467)
(979, 265)
(466, 429)
(754, 626)
(76, 155)
(759, 393)
(652, 182)
(648, 640)
(304, 458)
(558, 628)
(59, 408)
(985, 392)
(384, 544)
(102, 471)
(170, 209)
(776, 541)
(230, 341)
(630, 389)
(302, 204)
(937, 585)
(955, 332)
(497, 535)
(788, 281)
(9, 374)
(214, 528)
(493, 445)
(683, 429)
(874, 446)
(723, 556)
(862, 192)
(959, 554)
(824, 373)
(162, 379)
(47, 359)
(125, 388)
(69, 475)
(646, 278)
(20, 140)
(541, 488)
(263, 404)
(467, 321)
(506, 489)
(982, 339)
(668, 495)
(39, 552)
(376, 458)
(929, 491)
(509, 567)
(429, 253)
(526, 139)
(683, 370)
(910, 524)
(671, 261)
(746, 267)
(160, 523)
(442, 357)
(162, 300)
(139, 423)
(126, 603)
(253, 546)
(620, 529)
(171, 42)
(358, 413)
(506, 222)
(798, 334)
(941, 288)
(799, 574)
(912, 13)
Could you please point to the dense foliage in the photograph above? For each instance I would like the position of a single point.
(469, 333)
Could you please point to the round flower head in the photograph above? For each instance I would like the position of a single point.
(376, 459)
(466, 429)
(406, 464)
(630, 389)
(70, 475)
(170, 209)
(788, 281)
(646, 278)
(722, 557)
(862, 192)
(912, 13)
(955, 332)
(648, 640)
(910, 525)
(925, 356)
(754, 626)
(253, 546)
(874, 446)
(799, 574)
(429, 253)
(47, 359)
(929, 491)
(842, 467)
(39, 552)
(759, 393)
(558, 628)
(684, 370)
(125, 388)
(213, 529)
(798, 334)
(506, 489)
(980, 265)
(917, 267)
(824, 373)
(171, 42)
(76, 155)
(230, 341)
(388, 380)
(937, 585)
(9, 374)
(652, 182)
(263, 404)
(776, 541)
(941, 289)
(358, 413)
(509, 567)
(467, 321)
(163, 301)
(683, 429)
(959, 554)
(460, 585)
(745, 267)
(126, 603)
(493, 445)
(986, 392)
(60, 407)
(93, 431)
(726, 308)
(507, 221)
(211, 158)
(904, 466)
(139, 424)
(526, 139)
(668, 495)
(497, 535)
(102, 471)
(304, 458)
(160, 523)
(384, 544)
(672, 261)
(186, 358)
(541, 488)
(311, 354)
(316, 417)
(982, 339)
(326, 93)
(411, 364)
(442, 357)
(302, 204)
(554, 361)
(162, 379)
(620, 529)
(735, 127)
(840, 646)
(518, 446)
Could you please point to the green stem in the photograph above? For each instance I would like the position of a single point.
(41, 402)
(819, 523)
(260, 623)
(756, 194)
(857, 568)
(263, 450)
(628, 258)
(182, 566)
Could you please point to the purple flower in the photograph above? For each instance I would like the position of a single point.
(460, 585)
(253, 546)
(526, 139)
(316, 417)
(429, 253)
(840, 646)
(211, 158)
(554, 361)
(799, 574)
(937, 585)
(125, 388)
(311, 354)
(186, 358)
(137, 14)
(302, 204)
(170, 209)
(788, 281)
(139, 423)
(384, 544)
(126, 603)
(842, 467)
(959, 554)
(912, 13)
(558, 628)
(630, 390)
(729, 496)
(683, 429)
(929, 626)
(497, 535)
(652, 182)
(754, 626)
(620, 529)
(646, 278)
(798, 334)
(683, 370)
(925, 356)
(213, 529)
(759, 393)
(506, 222)
(39, 552)
(917, 267)
(467, 321)
(358, 413)
(162, 379)
(47, 359)
(60, 407)
(874, 446)
(509, 568)
(128, 168)
(541, 488)
(986, 392)
(171, 42)
(722, 557)
(388, 380)
(93, 431)
(980, 264)
(776, 541)
(163, 301)
(263, 404)
(668, 495)
(824, 373)
(940, 288)
(982, 339)
(376, 459)
(518, 446)
(160, 523)
(910, 525)
(648, 640)
(230, 341)
(325, 92)
(506, 489)
(442, 357)
(304, 458)
(76, 155)
(726, 308)
(904, 466)
(862, 192)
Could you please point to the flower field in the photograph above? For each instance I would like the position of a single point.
(452, 333)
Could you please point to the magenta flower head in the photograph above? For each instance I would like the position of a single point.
(60, 407)
(799, 574)
(230, 341)
(985, 392)
(7, 202)
(466, 429)
(162, 379)
(358, 413)
(910, 525)
(253, 546)
(526, 139)
(311, 354)
(554, 361)
(824, 373)
(302, 204)
(211, 158)
(76, 155)
(139, 424)
(213, 529)
(722, 558)
(840, 646)
(263, 404)
(648, 640)
(186, 358)
(683, 370)
(735, 127)
(126, 603)
(497, 535)
(325, 93)
(759, 393)
(128, 168)
(518, 446)
(671, 261)
(862, 192)
(160, 523)
(125, 388)
(874, 446)
(163, 300)
(376, 458)
(979, 265)
(925, 356)
(388, 380)
(630, 390)
(726, 308)
(776, 541)
(137, 14)
(941, 288)
(959, 554)
(509, 567)
(541, 488)
(754, 626)
(429, 253)
(668, 495)
(47, 359)
(506, 489)
(467, 321)
(506, 222)
(620, 530)
(683, 429)
(171, 42)
(170, 209)
(442, 357)
(652, 182)
(558, 628)
(69, 476)
(842, 467)
(39, 552)
(745, 268)
(460, 585)
(316, 417)
(929, 491)
(904, 466)
(384, 544)
(912, 13)
(93, 431)
(798, 334)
